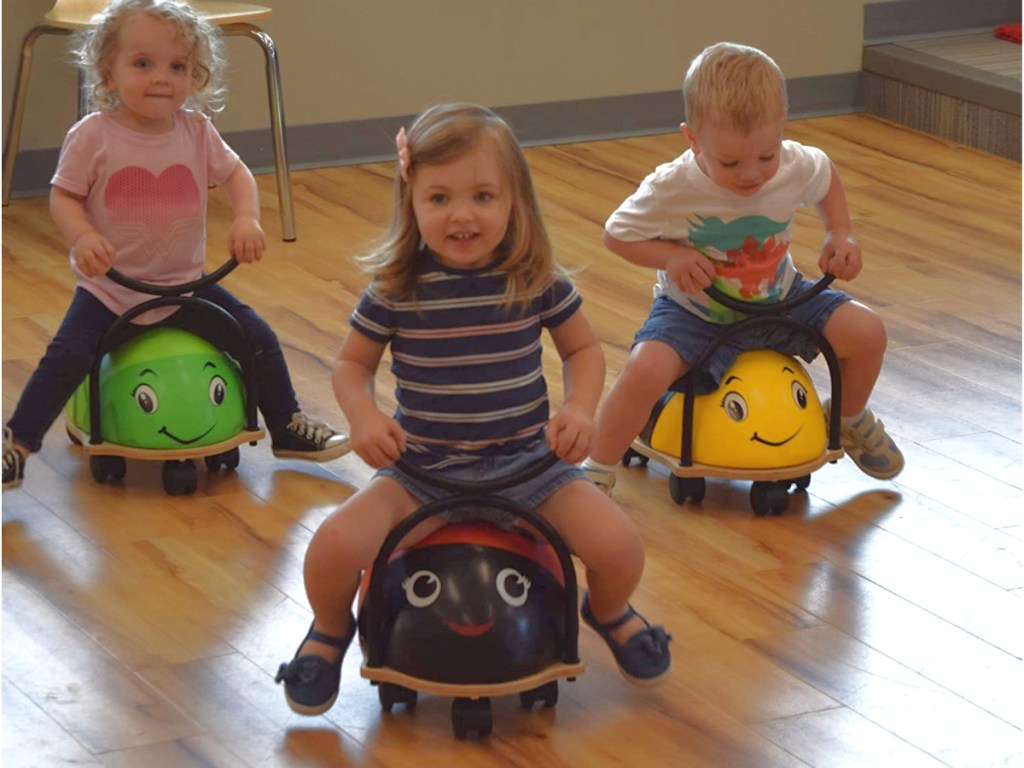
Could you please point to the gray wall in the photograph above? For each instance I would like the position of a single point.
(357, 64)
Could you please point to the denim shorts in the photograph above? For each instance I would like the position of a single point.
(690, 336)
(530, 494)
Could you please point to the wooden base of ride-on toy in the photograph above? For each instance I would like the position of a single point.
(769, 491)
(107, 461)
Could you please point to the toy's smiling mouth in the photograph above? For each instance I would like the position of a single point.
(757, 439)
(175, 438)
(469, 630)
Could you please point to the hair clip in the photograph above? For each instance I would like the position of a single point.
(404, 159)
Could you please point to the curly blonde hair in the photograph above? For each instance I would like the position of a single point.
(93, 50)
(441, 135)
(734, 85)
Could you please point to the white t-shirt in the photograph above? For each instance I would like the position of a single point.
(147, 195)
(747, 238)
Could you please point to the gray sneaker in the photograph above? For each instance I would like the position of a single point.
(869, 445)
(304, 438)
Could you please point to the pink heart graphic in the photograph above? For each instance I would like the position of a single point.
(135, 194)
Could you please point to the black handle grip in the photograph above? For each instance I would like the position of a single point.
(173, 290)
(774, 308)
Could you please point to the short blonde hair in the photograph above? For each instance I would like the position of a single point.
(734, 85)
(94, 49)
(441, 135)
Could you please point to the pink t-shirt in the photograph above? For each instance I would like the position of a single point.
(147, 195)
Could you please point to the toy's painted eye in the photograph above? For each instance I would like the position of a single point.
(799, 394)
(735, 406)
(146, 398)
(217, 390)
(513, 587)
(422, 588)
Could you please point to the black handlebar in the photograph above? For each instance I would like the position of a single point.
(775, 307)
(173, 290)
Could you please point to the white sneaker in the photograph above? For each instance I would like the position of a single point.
(866, 442)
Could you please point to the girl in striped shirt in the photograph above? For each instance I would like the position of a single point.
(463, 284)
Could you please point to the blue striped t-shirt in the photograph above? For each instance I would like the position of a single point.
(468, 371)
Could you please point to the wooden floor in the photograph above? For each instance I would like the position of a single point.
(876, 624)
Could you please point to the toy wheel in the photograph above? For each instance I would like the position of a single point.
(769, 499)
(801, 483)
(72, 437)
(107, 468)
(683, 488)
(547, 694)
(179, 478)
(228, 460)
(471, 716)
(391, 694)
(630, 454)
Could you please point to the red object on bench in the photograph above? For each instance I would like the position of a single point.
(1009, 32)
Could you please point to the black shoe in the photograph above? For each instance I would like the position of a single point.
(14, 462)
(311, 682)
(304, 438)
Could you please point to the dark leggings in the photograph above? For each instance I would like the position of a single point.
(69, 357)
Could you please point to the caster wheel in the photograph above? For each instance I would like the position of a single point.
(801, 483)
(630, 454)
(179, 478)
(229, 460)
(686, 488)
(769, 499)
(391, 694)
(107, 468)
(546, 694)
(471, 716)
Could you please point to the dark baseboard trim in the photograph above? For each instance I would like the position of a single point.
(906, 19)
(372, 140)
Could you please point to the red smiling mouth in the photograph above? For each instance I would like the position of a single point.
(469, 630)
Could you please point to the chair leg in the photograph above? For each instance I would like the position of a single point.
(20, 96)
(277, 126)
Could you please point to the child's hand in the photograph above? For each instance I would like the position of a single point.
(246, 241)
(570, 434)
(840, 256)
(690, 270)
(94, 254)
(377, 439)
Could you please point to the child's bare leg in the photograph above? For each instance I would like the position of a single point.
(345, 544)
(650, 370)
(597, 531)
(858, 337)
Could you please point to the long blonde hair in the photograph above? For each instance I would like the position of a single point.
(734, 85)
(94, 49)
(441, 135)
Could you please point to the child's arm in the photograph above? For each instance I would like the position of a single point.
(94, 254)
(686, 267)
(570, 431)
(840, 255)
(377, 438)
(246, 241)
